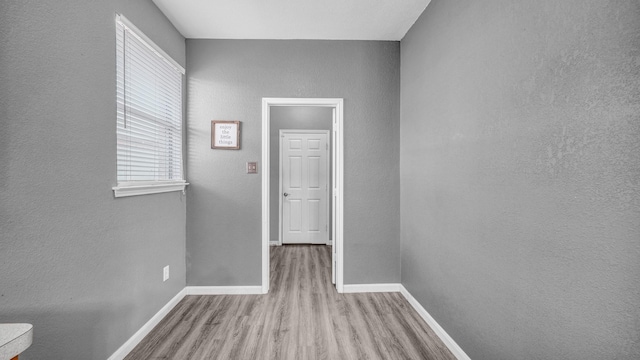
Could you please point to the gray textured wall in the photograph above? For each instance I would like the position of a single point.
(227, 80)
(293, 117)
(83, 267)
(520, 175)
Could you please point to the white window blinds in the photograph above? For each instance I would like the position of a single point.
(149, 110)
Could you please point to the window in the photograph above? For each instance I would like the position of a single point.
(149, 115)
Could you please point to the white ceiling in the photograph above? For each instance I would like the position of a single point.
(293, 19)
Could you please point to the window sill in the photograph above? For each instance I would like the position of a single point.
(145, 188)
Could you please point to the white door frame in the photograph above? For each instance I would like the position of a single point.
(281, 191)
(338, 175)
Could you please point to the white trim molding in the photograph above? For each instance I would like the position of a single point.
(149, 43)
(369, 288)
(394, 287)
(446, 339)
(338, 173)
(130, 344)
(144, 188)
(134, 340)
(223, 290)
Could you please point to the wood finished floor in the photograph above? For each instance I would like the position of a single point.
(302, 317)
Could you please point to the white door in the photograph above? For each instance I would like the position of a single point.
(304, 172)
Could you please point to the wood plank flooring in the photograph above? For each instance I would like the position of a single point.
(302, 317)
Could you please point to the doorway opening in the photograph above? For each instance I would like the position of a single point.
(337, 180)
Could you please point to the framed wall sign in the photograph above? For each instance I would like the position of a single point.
(225, 134)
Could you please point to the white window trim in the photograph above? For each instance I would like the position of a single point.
(134, 188)
(148, 187)
(149, 43)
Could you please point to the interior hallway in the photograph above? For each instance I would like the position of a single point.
(302, 317)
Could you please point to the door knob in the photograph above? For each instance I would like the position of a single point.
(285, 194)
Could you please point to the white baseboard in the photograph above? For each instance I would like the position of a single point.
(223, 290)
(446, 339)
(363, 288)
(277, 243)
(134, 340)
(130, 344)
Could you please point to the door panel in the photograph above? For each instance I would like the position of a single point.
(295, 217)
(295, 172)
(305, 209)
(314, 172)
(314, 214)
(313, 144)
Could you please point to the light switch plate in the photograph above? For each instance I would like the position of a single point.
(252, 167)
(165, 273)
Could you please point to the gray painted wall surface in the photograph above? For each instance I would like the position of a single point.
(520, 176)
(227, 81)
(83, 267)
(292, 117)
